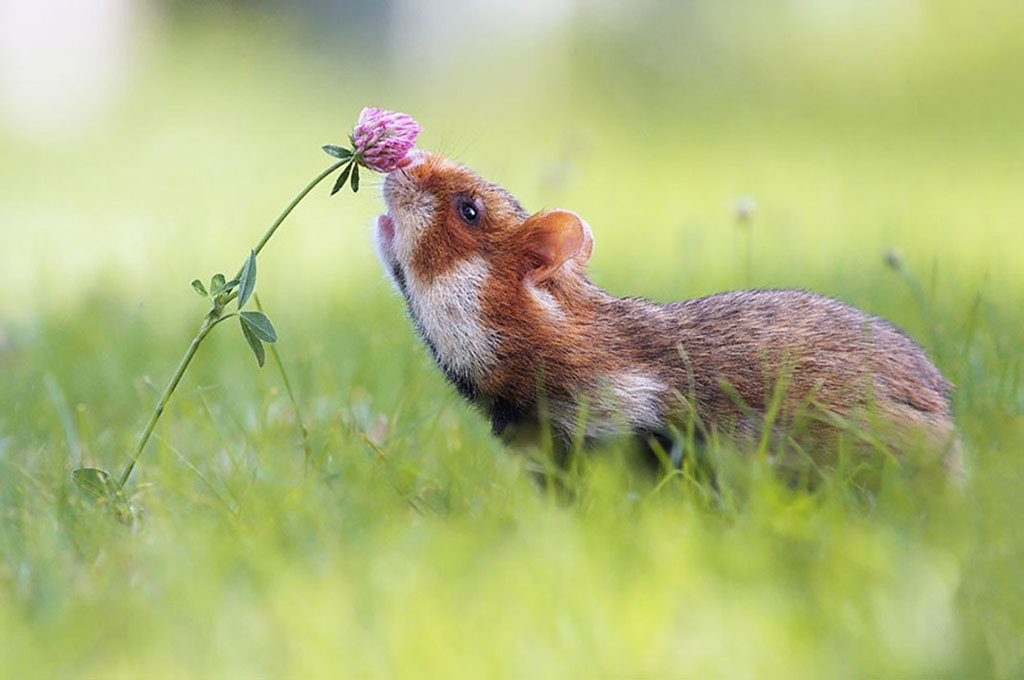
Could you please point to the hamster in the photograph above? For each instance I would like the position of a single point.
(501, 299)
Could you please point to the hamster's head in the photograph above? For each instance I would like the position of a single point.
(441, 214)
(457, 247)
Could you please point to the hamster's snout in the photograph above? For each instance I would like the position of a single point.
(402, 191)
(402, 172)
(412, 159)
(399, 181)
(410, 208)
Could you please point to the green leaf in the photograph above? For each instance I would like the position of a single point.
(337, 151)
(94, 483)
(260, 325)
(217, 284)
(247, 280)
(342, 178)
(355, 178)
(254, 343)
(198, 286)
(101, 488)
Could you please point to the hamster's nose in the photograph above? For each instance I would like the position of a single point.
(412, 159)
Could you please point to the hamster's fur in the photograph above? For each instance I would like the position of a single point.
(501, 299)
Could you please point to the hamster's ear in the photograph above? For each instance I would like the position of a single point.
(557, 236)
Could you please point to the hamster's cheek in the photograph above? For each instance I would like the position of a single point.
(413, 214)
(411, 209)
(410, 227)
(443, 246)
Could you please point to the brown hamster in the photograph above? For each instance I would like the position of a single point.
(502, 300)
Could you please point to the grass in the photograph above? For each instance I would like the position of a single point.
(423, 548)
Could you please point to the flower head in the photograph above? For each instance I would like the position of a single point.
(382, 139)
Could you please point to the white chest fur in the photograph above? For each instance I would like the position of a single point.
(447, 309)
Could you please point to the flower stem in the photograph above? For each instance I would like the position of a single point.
(209, 321)
(291, 395)
(295, 201)
(214, 317)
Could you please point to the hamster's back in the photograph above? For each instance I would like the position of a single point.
(737, 348)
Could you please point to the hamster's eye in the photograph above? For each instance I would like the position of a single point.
(469, 212)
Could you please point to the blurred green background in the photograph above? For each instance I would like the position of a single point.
(711, 146)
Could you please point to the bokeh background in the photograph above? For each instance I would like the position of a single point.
(868, 149)
(135, 132)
